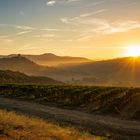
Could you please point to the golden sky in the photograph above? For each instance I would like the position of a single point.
(97, 29)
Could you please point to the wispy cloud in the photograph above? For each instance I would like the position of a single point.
(45, 36)
(58, 30)
(99, 25)
(53, 2)
(23, 32)
(85, 37)
(51, 29)
(91, 27)
(16, 30)
(68, 21)
(93, 13)
(115, 27)
(22, 27)
(85, 17)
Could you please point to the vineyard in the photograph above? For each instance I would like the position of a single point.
(121, 102)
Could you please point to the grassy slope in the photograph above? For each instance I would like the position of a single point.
(7, 76)
(13, 126)
(122, 102)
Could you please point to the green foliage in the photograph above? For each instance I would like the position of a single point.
(109, 100)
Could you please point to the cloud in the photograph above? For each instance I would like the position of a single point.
(85, 17)
(58, 30)
(91, 27)
(82, 21)
(93, 13)
(85, 37)
(68, 21)
(16, 30)
(23, 32)
(45, 36)
(99, 25)
(116, 27)
(51, 29)
(22, 27)
(51, 3)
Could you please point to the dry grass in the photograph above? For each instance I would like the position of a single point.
(19, 127)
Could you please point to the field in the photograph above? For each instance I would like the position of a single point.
(121, 102)
(19, 127)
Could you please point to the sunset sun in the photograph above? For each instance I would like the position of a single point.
(133, 51)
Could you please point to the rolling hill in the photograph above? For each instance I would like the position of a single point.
(49, 59)
(121, 71)
(24, 65)
(115, 72)
(17, 77)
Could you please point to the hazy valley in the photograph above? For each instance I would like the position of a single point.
(113, 72)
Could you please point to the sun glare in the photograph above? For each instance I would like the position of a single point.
(133, 51)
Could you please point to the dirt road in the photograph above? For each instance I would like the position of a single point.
(100, 125)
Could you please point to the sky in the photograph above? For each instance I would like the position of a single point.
(97, 29)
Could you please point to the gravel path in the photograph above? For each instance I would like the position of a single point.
(100, 125)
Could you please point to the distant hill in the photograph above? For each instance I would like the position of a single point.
(17, 77)
(115, 72)
(121, 71)
(50, 59)
(18, 63)
(24, 65)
